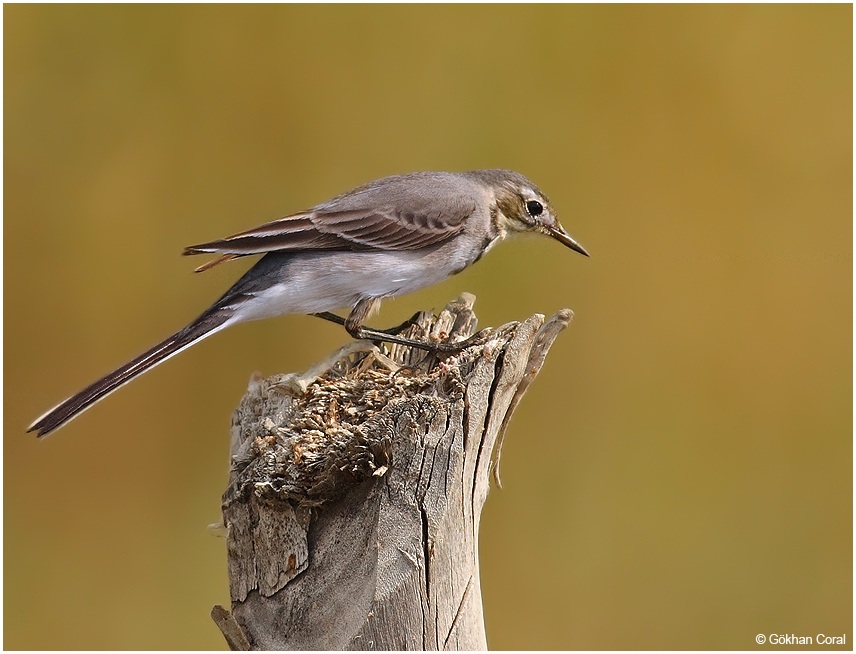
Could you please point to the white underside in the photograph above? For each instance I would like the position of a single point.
(330, 281)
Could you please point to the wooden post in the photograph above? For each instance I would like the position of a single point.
(356, 490)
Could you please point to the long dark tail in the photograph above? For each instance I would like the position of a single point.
(208, 323)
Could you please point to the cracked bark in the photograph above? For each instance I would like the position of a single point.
(355, 494)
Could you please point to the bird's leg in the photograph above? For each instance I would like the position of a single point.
(355, 329)
(354, 326)
(361, 311)
(332, 317)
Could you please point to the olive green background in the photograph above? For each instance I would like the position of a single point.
(680, 475)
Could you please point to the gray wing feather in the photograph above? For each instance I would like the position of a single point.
(390, 214)
(290, 233)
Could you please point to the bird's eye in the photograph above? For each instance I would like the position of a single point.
(534, 208)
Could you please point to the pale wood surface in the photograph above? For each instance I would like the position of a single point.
(356, 490)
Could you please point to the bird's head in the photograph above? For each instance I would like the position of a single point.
(523, 207)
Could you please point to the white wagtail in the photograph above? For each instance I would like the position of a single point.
(392, 236)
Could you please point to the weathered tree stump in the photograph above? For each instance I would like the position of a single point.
(356, 490)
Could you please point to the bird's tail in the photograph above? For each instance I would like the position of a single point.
(211, 321)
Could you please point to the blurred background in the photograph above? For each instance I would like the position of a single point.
(680, 475)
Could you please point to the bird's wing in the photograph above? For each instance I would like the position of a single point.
(332, 227)
(295, 232)
(392, 229)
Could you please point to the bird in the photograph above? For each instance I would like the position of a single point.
(389, 237)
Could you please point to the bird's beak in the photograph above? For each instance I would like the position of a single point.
(558, 232)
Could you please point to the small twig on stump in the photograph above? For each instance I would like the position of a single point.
(355, 492)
